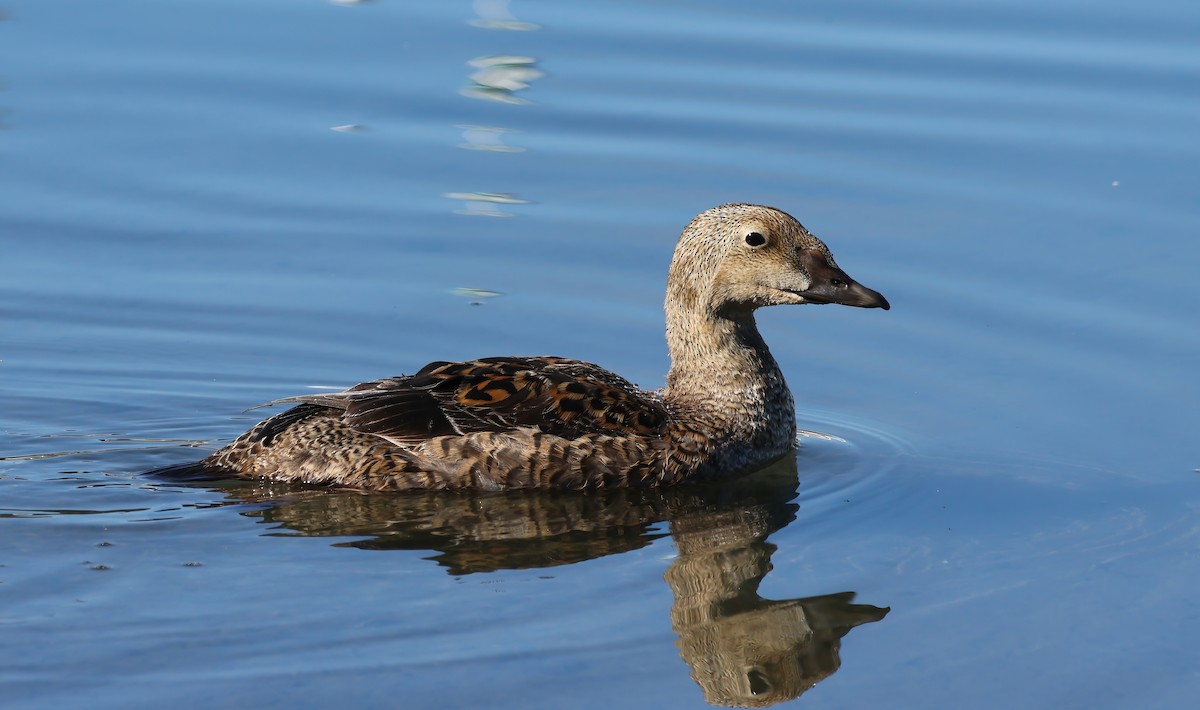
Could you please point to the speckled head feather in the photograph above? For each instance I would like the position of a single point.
(729, 261)
(548, 422)
(740, 256)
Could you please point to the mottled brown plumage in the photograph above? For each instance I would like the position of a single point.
(548, 422)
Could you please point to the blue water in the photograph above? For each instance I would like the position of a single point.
(205, 205)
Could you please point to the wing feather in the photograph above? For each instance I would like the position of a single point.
(567, 398)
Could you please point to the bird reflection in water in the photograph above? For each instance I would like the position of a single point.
(746, 651)
(743, 650)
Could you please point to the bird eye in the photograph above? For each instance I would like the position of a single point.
(755, 239)
(837, 282)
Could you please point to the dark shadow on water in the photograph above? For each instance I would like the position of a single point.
(744, 650)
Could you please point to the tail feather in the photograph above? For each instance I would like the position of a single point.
(194, 471)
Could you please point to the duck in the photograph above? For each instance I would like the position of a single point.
(554, 423)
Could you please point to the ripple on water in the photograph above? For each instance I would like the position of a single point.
(848, 460)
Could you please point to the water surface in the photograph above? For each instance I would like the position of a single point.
(208, 205)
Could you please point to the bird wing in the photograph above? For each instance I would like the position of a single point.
(559, 396)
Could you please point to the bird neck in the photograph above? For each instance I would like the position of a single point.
(721, 366)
